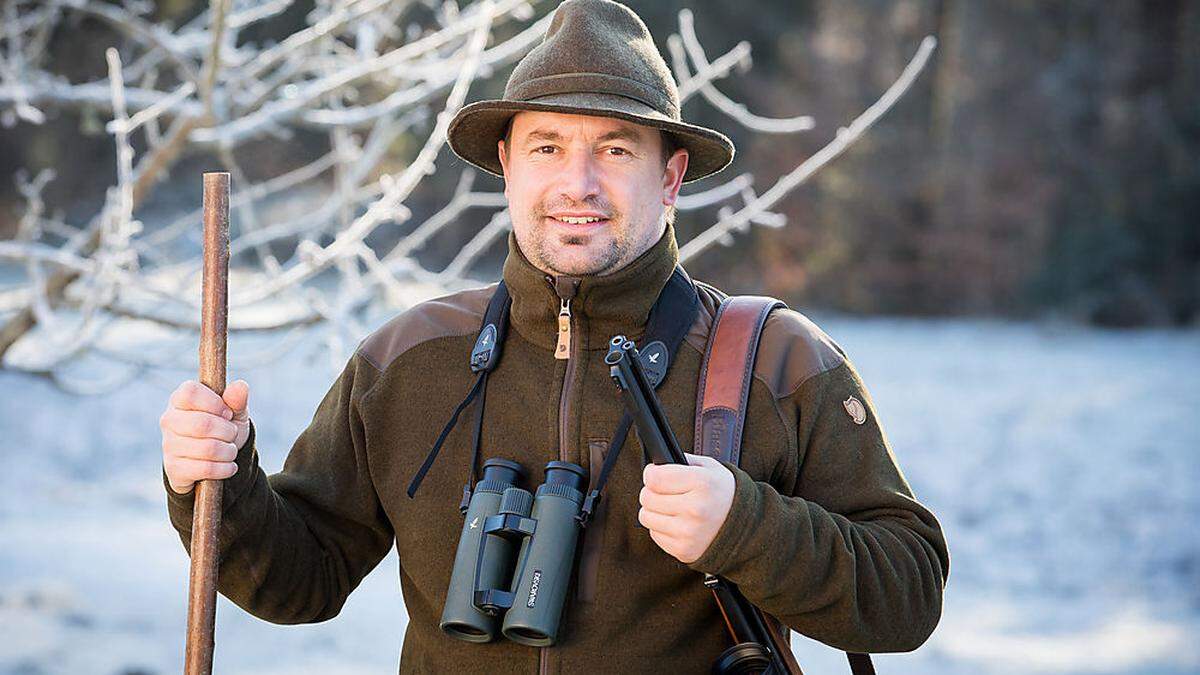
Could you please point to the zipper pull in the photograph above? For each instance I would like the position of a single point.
(563, 350)
(566, 288)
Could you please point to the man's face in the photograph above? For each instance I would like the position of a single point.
(564, 170)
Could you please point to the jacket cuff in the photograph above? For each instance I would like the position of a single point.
(247, 459)
(745, 511)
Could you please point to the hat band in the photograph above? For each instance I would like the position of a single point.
(599, 83)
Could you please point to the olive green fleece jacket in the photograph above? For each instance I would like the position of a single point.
(824, 531)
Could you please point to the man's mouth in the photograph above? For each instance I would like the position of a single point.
(583, 222)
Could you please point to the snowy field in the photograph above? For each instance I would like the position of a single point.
(1064, 463)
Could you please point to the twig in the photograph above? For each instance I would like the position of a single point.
(715, 195)
(496, 228)
(42, 253)
(845, 136)
(687, 40)
(463, 199)
(154, 111)
(739, 56)
(212, 63)
(41, 91)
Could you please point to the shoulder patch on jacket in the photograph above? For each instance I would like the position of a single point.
(793, 349)
(455, 314)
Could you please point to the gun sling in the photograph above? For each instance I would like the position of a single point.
(724, 391)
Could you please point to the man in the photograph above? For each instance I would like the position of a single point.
(817, 526)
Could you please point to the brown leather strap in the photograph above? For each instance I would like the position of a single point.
(726, 373)
(860, 664)
(781, 639)
(724, 393)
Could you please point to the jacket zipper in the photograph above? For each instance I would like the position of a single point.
(565, 288)
(567, 349)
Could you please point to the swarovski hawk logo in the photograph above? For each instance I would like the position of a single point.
(654, 359)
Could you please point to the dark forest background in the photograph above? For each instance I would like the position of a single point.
(1047, 162)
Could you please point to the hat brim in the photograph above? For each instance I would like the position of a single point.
(476, 129)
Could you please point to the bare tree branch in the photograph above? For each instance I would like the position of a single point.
(687, 40)
(846, 135)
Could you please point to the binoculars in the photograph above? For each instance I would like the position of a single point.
(515, 555)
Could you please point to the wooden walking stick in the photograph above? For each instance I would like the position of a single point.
(206, 517)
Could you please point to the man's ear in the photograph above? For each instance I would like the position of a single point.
(500, 152)
(673, 176)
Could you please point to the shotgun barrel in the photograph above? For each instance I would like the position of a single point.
(754, 650)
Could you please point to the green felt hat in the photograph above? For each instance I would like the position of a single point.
(597, 59)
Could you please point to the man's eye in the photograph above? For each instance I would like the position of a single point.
(618, 151)
(544, 149)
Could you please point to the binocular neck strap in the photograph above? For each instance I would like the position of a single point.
(610, 460)
(484, 357)
(437, 445)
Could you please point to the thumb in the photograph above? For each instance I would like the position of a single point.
(236, 396)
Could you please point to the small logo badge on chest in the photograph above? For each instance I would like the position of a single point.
(857, 411)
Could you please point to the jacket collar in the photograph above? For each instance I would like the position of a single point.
(601, 306)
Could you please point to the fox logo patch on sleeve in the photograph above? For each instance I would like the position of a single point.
(857, 411)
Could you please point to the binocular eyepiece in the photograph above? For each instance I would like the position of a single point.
(514, 555)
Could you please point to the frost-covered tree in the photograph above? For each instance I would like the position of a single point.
(361, 73)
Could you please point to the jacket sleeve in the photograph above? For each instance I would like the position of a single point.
(293, 545)
(847, 555)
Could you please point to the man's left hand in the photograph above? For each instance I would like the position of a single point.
(685, 506)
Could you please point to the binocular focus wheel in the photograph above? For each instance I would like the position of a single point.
(742, 659)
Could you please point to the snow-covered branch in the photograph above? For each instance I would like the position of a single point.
(741, 219)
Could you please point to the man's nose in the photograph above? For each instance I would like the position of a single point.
(580, 177)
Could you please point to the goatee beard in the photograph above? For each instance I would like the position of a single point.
(601, 263)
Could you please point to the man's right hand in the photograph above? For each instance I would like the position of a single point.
(201, 433)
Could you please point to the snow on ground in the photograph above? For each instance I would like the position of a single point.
(1062, 461)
